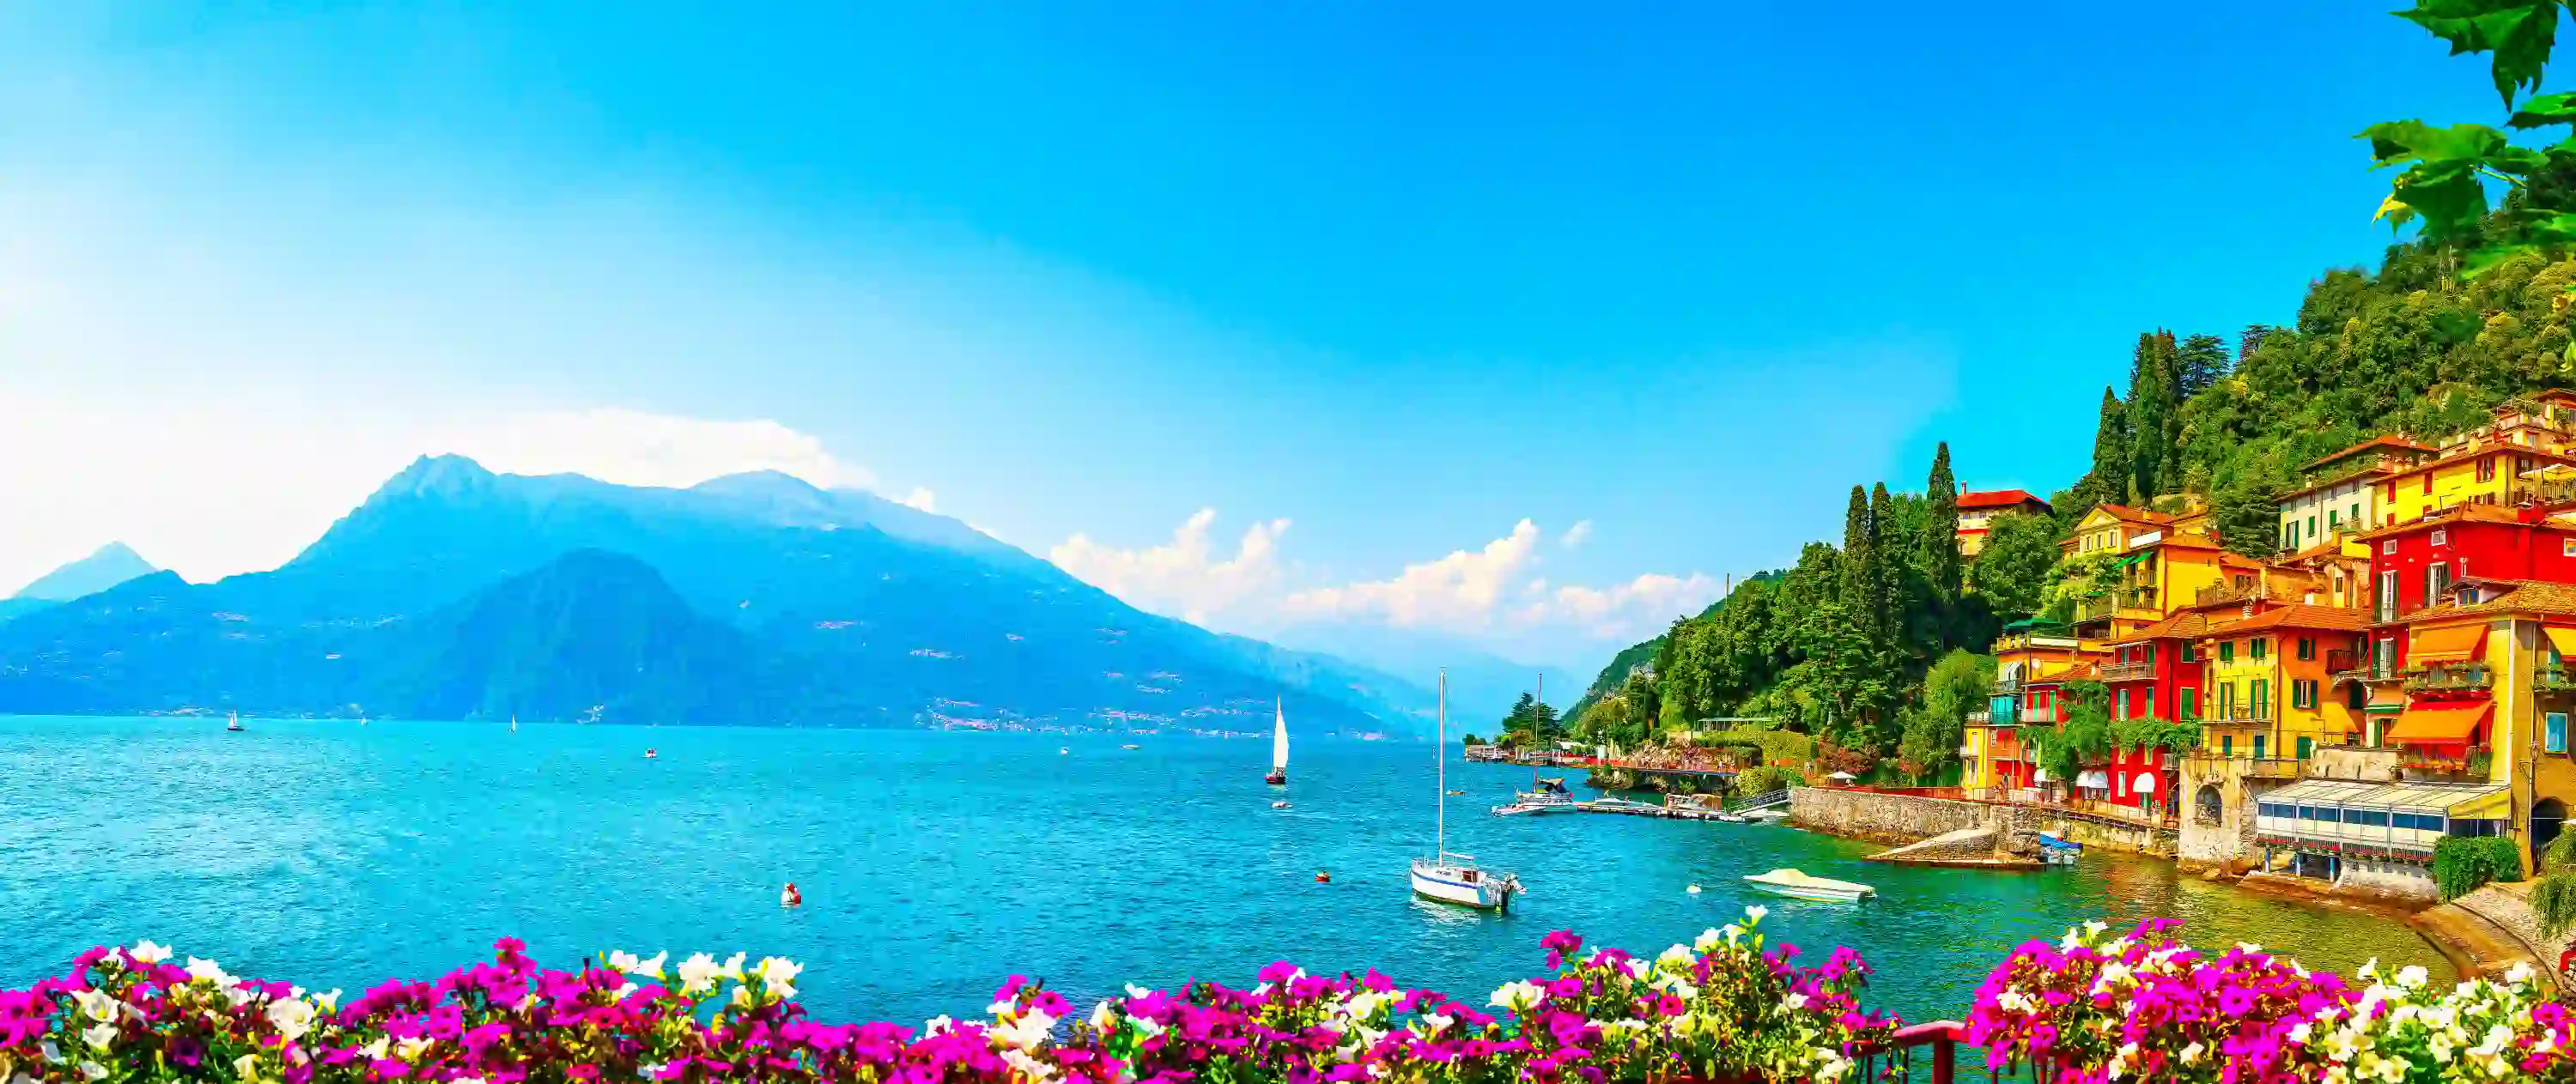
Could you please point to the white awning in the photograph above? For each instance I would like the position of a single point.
(2145, 783)
(2455, 799)
(2040, 776)
(2093, 778)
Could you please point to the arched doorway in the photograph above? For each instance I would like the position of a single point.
(2205, 804)
(2547, 817)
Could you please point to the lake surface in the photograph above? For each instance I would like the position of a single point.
(935, 864)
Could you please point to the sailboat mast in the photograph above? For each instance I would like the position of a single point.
(1440, 758)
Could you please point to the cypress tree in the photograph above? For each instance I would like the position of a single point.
(1886, 561)
(2109, 481)
(2154, 393)
(1858, 571)
(1940, 542)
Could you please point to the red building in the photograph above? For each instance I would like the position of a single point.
(2413, 564)
(2154, 674)
(1977, 512)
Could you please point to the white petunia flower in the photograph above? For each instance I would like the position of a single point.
(147, 952)
(698, 974)
(1755, 914)
(291, 1018)
(938, 1025)
(2413, 977)
(98, 1036)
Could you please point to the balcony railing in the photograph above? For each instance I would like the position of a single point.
(2009, 686)
(2554, 679)
(2038, 715)
(1980, 717)
(2343, 660)
(2449, 677)
(2129, 671)
(2470, 766)
(2096, 608)
(2240, 713)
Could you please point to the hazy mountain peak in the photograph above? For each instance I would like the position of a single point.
(105, 567)
(767, 482)
(443, 475)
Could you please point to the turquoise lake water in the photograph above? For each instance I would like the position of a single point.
(935, 864)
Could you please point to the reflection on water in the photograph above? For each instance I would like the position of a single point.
(933, 865)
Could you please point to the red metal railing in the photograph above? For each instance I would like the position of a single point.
(1929, 1054)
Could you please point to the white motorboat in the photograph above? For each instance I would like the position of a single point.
(1790, 882)
(1456, 878)
(1766, 814)
(1524, 804)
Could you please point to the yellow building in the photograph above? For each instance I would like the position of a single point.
(2489, 692)
(1993, 756)
(2162, 573)
(2264, 691)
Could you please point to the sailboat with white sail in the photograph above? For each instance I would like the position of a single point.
(234, 724)
(1456, 878)
(1278, 776)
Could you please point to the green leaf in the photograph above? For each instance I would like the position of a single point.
(2398, 141)
(2546, 110)
(2519, 32)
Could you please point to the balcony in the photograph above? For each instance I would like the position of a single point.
(2096, 608)
(2251, 767)
(1980, 717)
(2449, 677)
(2038, 715)
(2554, 679)
(2238, 713)
(2225, 593)
(2129, 671)
(2139, 597)
(2472, 767)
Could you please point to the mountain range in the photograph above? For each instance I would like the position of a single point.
(455, 592)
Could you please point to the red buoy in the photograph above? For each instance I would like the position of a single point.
(1323, 878)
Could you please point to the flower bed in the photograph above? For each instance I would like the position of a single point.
(2094, 1007)
(2143, 1006)
(1724, 1007)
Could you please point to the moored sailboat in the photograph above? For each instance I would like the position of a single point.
(1278, 776)
(1455, 878)
(234, 724)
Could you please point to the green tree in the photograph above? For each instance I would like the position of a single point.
(2013, 568)
(2109, 482)
(1955, 686)
(2085, 736)
(2205, 362)
(1937, 548)
(1885, 564)
(2155, 398)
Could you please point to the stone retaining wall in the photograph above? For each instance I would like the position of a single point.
(1893, 819)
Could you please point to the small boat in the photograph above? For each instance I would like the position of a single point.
(789, 897)
(1765, 814)
(1693, 890)
(649, 754)
(1127, 747)
(514, 724)
(1278, 805)
(1278, 776)
(362, 718)
(2057, 850)
(1790, 882)
(235, 723)
(1063, 751)
(1323, 877)
(1448, 877)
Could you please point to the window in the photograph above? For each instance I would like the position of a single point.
(2307, 647)
(2261, 698)
(2355, 514)
(2151, 703)
(2258, 746)
(2257, 647)
(2441, 537)
(2150, 653)
(2123, 712)
(2389, 546)
(2182, 651)
(2227, 745)
(2567, 547)
(2272, 809)
(2487, 468)
(2387, 660)
(2553, 735)
(2191, 703)
(2226, 699)
(2437, 579)
(2334, 519)
(2376, 818)
(2227, 651)
(2303, 693)
(2428, 481)
(2312, 528)
(2306, 747)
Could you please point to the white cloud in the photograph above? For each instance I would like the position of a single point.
(922, 498)
(1490, 592)
(211, 487)
(1460, 592)
(1575, 535)
(1632, 610)
(1186, 575)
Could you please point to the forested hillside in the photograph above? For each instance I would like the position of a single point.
(1840, 644)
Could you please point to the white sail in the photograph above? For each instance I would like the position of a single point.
(1279, 739)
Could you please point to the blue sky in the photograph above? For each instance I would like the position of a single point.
(1402, 277)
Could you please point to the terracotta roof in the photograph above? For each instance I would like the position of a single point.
(2076, 672)
(2133, 515)
(2374, 442)
(2519, 596)
(2458, 513)
(2551, 393)
(2297, 615)
(1998, 498)
(2185, 625)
